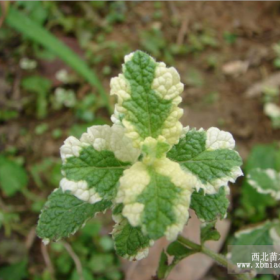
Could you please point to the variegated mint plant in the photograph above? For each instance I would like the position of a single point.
(147, 168)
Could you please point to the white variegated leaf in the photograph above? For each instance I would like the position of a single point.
(266, 181)
(148, 96)
(209, 156)
(156, 197)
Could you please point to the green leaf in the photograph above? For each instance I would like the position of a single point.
(148, 97)
(16, 271)
(130, 243)
(93, 165)
(163, 266)
(87, 275)
(6, 115)
(209, 232)
(101, 263)
(254, 203)
(13, 177)
(36, 84)
(35, 10)
(209, 156)
(265, 181)
(40, 35)
(209, 207)
(264, 157)
(178, 250)
(63, 214)
(41, 86)
(156, 197)
(100, 169)
(106, 243)
(262, 234)
(162, 193)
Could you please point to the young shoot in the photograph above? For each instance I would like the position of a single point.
(146, 167)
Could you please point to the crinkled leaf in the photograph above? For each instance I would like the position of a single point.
(130, 242)
(93, 165)
(99, 169)
(209, 232)
(156, 197)
(265, 181)
(13, 177)
(151, 197)
(209, 156)
(148, 97)
(63, 214)
(209, 207)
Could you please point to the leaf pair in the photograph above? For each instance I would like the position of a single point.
(146, 165)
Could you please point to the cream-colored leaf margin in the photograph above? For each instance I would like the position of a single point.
(137, 178)
(167, 85)
(100, 138)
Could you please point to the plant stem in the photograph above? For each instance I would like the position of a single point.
(218, 258)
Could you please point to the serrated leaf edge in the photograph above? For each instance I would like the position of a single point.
(216, 139)
(167, 85)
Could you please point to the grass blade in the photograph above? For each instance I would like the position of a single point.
(40, 35)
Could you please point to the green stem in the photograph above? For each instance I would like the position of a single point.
(218, 258)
